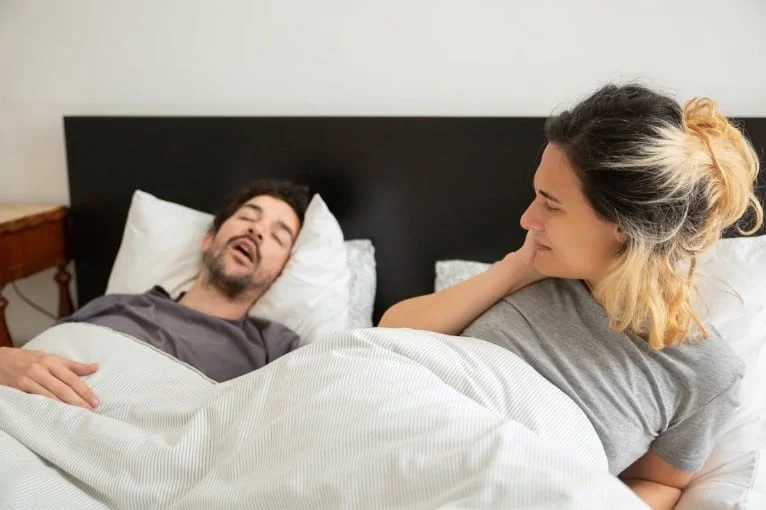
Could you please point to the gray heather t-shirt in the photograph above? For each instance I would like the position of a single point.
(219, 348)
(672, 401)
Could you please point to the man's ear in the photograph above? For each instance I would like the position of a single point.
(207, 241)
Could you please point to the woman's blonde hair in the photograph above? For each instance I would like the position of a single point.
(673, 179)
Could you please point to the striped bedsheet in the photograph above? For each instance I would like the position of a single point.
(370, 418)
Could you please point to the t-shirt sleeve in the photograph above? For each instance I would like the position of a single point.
(95, 307)
(687, 442)
(279, 340)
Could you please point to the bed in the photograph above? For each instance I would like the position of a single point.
(422, 190)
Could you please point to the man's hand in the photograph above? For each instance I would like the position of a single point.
(46, 374)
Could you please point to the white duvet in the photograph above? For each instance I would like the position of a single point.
(365, 419)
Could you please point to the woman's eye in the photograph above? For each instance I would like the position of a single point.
(277, 239)
(551, 209)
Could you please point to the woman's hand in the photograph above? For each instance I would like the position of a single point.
(522, 265)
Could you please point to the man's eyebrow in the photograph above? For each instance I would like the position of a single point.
(280, 224)
(256, 208)
(549, 196)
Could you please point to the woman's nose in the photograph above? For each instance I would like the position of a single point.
(531, 220)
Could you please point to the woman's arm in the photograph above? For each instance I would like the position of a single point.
(656, 482)
(451, 310)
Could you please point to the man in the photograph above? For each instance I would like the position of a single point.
(208, 327)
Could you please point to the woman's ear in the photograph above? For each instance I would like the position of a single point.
(620, 235)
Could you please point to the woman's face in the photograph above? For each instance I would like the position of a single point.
(571, 240)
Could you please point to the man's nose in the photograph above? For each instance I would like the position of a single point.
(255, 231)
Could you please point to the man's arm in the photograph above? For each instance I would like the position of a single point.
(41, 373)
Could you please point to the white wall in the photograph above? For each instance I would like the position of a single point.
(333, 57)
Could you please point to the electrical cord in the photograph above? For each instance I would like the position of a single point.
(32, 303)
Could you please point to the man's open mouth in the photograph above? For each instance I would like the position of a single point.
(247, 248)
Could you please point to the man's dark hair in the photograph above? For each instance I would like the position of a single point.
(294, 195)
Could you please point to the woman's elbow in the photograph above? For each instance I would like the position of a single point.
(392, 318)
(404, 314)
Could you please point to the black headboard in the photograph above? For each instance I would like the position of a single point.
(422, 189)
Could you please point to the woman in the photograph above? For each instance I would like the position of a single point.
(630, 189)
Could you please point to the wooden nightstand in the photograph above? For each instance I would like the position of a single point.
(33, 238)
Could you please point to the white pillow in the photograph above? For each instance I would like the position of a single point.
(161, 246)
(361, 263)
(451, 272)
(738, 266)
(732, 476)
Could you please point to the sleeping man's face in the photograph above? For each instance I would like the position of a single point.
(251, 248)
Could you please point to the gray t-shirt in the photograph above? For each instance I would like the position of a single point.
(219, 348)
(672, 401)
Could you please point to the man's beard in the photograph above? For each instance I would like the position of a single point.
(232, 285)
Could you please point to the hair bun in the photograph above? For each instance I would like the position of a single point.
(701, 118)
(727, 162)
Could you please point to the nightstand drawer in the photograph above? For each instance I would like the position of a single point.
(26, 251)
